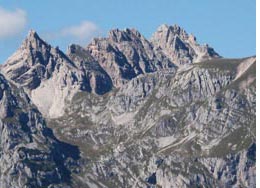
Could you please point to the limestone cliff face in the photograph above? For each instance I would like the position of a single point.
(94, 75)
(50, 77)
(181, 47)
(125, 54)
(30, 155)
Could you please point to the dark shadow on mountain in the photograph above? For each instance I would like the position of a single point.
(66, 157)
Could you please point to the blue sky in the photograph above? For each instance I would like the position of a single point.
(227, 25)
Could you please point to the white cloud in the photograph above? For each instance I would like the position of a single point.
(84, 31)
(12, 22)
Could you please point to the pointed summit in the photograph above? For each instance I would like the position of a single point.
(32, 34)
(165, 32)
(163, 27)
(175, 29)
(33, 41)
(34, 61)
(127, 34)
(179, 46)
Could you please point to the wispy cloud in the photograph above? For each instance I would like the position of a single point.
(12, 22)
(80, 33)
(83, 31)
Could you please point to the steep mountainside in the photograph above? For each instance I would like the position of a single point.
(131, 112)
(195, 128)
(50, 77)
(30, 155)
(126, 54)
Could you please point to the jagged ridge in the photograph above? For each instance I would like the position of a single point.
(143, 113)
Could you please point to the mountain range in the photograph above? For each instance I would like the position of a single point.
(125, 111)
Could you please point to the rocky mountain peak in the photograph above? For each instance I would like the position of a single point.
(34, 45)
(179, 46)
(125, 54)
(32, 34)
(127, 34)
(34, 42)
(34, 61)
(168, 31)
(40, 68)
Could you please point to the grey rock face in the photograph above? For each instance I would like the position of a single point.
(137, 119)
(126, 54)
(193, 127)
(34, 61)
(30, 155)
(47, 73)
(181, 47)
(94, 75)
